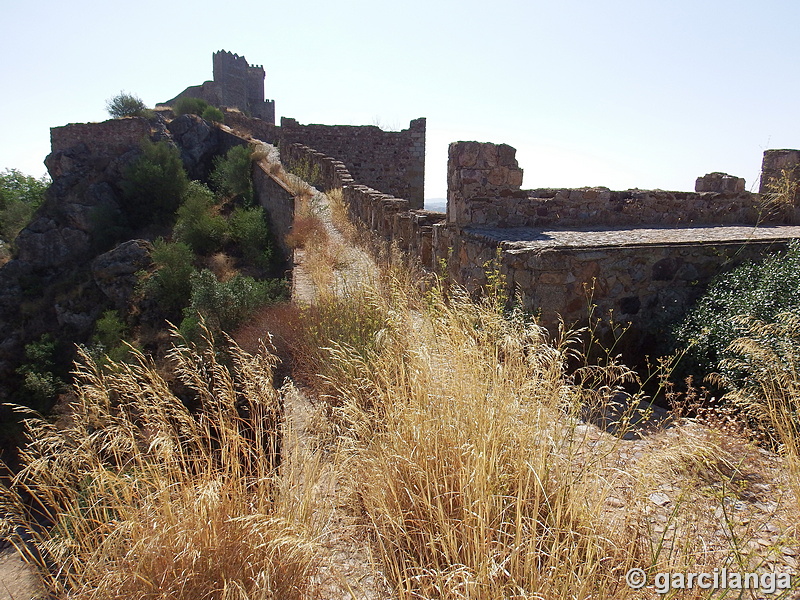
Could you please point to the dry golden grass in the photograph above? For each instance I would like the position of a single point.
(340, 214)
(478, 480)
(222, 265)
(307, 231)
(147, 499)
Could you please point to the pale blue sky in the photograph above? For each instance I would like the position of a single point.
(607, 92)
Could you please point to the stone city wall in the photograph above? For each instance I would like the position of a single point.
(390, 161)
(642, 256)
(484, 189)
(389, 217)
(644, 277)
(278, 202)
(109, 137)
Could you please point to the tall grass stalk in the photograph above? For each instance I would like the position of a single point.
(141, 497)
(464, 461)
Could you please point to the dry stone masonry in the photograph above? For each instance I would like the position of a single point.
(390, 161)
(638, 257)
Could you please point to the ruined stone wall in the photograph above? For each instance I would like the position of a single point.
(389, 217)
(634, 277)
(278, 202)
(484, 183)
(390, 161)
(109, 137)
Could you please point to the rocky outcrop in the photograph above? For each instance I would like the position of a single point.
(199, 142)
(49, 286)
(114, 271)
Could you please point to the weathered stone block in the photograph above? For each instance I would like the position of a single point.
(720, 182)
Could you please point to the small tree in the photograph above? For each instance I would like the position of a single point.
(232, 174)
(197, 225)
(212, 113)
(226, 305)
(249, 227)
(20, 196)
(127, 105)
(155, 184)
(171, 284)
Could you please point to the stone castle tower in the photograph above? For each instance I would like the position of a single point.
(236, 84)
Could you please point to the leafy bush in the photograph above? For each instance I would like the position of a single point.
(190, 106)
(40, 385)
(212, 113)
(232, 174)
(108, 338)
(155, 183)
(197, 225)
(757, 290)
(225, 305)
(127, 105)
(20, 196)
(249, 227)
(109, 226)
(171, 284)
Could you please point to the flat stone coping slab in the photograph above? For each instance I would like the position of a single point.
(516, 239)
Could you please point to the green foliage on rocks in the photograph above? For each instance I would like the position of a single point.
(232, 174)
(212, 113)
(154, 184)
(171, 284)
(20, 196)
(190, 106)
(40, 384)
(227, 304)
(754, 290)
(108, 340)
(197, 224)
(250, 229)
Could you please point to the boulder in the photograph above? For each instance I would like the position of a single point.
(199, 143)
(114, 272)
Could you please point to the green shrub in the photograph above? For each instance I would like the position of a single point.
(40, 384)
(20, 196)
(127, 105)
(758, 290)
(249, 227)
(109, 226)
(108, 338)
(190, 106)
(154, 184)
(197, 225)
(232, 174)
(212, 113)
(307, 171)
(225, 305)
(171, 284)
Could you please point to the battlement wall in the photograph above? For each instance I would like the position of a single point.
(484, 189)
(109, 137)
(390, 161)
(391, 218)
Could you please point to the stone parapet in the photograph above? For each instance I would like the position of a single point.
(109, 137)
(390, 161)
(479, 170)
(720, 183)
(780, 174)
